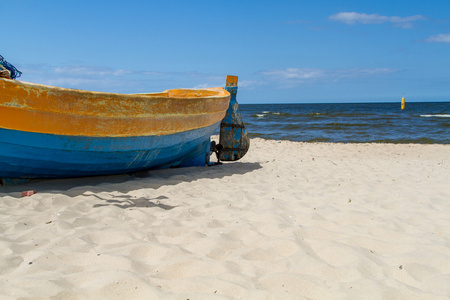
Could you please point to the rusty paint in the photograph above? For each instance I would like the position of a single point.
(45, 109)
(234, 140)
(232, 81)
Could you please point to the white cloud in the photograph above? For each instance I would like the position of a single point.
(203, 86)
(90, 71)
(295, 73)
(352, 18)
(439, 38)
(357, 72)
(292, 77)
(73, 82)
(250, 84)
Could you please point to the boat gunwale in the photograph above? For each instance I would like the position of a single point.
(220, 92)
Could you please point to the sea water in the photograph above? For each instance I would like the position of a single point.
(423, 123)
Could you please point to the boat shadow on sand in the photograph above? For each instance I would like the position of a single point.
(115, 189)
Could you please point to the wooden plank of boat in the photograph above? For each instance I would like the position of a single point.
(51, 132)
(234, 140)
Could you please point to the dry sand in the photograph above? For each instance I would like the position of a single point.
(289, 221)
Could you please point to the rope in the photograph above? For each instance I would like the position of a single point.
(14, 73)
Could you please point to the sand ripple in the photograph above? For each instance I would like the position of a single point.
(289, 221)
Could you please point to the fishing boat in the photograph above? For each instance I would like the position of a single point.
(52, 132)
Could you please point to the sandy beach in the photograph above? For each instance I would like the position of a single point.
(289, 221)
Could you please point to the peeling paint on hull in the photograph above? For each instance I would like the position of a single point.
(49, 132)
(35, 155)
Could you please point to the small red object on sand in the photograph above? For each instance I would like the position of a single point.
(28, 193)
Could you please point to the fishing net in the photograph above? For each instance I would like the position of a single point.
(14, 73)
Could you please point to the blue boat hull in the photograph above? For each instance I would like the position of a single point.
(39, 155)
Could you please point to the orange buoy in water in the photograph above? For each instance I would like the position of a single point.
(403, 101)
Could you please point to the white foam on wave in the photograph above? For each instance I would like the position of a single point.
(436, 116)
(260, 115)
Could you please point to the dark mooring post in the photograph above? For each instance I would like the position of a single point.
(234, 140)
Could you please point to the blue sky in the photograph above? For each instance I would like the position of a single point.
(282, 51)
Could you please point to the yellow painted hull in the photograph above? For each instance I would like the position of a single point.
(53, 110)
